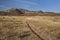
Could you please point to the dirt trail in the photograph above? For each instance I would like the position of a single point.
(42, 34)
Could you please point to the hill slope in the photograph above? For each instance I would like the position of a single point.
(24, 12)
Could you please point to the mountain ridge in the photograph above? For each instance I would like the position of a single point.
(25, 12)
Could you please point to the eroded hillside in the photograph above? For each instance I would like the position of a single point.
(25, 12)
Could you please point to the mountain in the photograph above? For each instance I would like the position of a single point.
(25, 12)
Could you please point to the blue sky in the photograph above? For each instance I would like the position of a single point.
(45, 5)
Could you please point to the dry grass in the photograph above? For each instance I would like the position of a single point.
(51, 24)
(15, 28)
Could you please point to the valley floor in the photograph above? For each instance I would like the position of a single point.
(16, 28)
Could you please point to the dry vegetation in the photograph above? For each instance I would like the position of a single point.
(15, 27)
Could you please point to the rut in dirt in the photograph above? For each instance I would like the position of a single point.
(43, 36)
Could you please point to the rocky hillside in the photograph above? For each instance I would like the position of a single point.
(24, 12)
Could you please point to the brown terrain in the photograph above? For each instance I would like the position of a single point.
(24, 12)
(22, 24)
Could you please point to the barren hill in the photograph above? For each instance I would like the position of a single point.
(25, 12)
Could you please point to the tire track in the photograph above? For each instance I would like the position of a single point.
(29, 26)
(43, 35)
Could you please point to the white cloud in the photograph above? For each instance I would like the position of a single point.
(28, 2)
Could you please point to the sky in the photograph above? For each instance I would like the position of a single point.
(44, 5)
